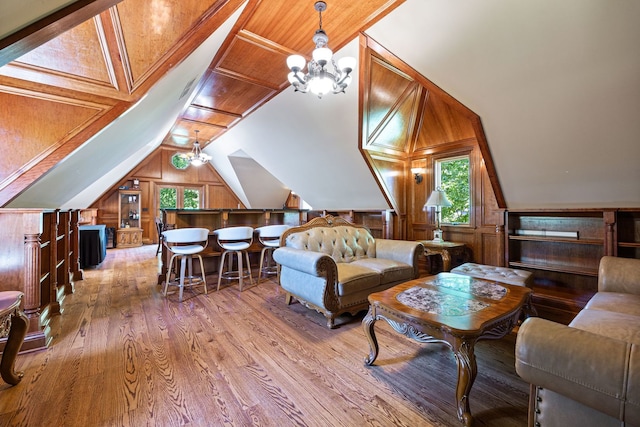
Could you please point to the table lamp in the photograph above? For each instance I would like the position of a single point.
(437, 199)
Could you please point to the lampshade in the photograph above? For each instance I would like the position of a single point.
(437, 199)
(197, 157)
(296, 62)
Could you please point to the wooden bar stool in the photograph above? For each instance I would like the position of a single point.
(234, 240)
(185, 243)
(269, 237)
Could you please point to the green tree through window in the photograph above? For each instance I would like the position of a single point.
(168, 198)
(453, 178)
(191, 198)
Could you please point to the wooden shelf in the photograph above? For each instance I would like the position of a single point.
(629, 244)
(556, 268)
(558, 240)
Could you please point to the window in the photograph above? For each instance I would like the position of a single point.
(191, 198)
(453, 175)
(179, 161)
(178, 197)
(168, 198)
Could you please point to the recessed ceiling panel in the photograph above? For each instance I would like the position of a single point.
(229, 94)
(256, 63)
(78, 53)
(341, 21)
(212, 117)
(150, 29)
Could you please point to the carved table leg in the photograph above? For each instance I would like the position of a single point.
(19, 325)
(367, 323)
(446, 260)
(467, 371)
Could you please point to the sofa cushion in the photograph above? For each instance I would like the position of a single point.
(354, 278)
(342, 243)
(389, 270)
(615, 301)
(620, 326)
(511, 276)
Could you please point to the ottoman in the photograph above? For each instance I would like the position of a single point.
(511, 276)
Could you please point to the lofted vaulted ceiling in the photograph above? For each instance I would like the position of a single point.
(141, 41)
(86, 99)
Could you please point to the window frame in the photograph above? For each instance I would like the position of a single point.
(180, 189)
(449, 156)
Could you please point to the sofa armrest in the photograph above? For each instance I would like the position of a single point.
(400, 250)
(619, 275)
(309, 262)
(588, 368)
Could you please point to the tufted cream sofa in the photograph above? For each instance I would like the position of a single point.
(332, 265)
(587, 374)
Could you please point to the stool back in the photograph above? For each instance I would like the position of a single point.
(186, 235)
(269, 235)
(231, 237)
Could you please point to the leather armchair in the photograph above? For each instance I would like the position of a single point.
(587, 373)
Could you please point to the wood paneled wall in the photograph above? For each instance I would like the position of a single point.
(39, 257)
(157, 171)
(409, 122)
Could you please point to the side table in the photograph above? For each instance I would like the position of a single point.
(446, 250)
(14, 323)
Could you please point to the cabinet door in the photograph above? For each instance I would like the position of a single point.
(129, 209)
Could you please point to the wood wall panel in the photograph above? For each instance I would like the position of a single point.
(386, 86)
(394, 133)
(151, 29)
(390, 173)
(208, 175)
(442, 124)
(33, 126)
(221, 197)
(490, 257)
(491, 214)
(436, 126)
(152, 167)
(216, 194)
(74, 53)
(172, 175)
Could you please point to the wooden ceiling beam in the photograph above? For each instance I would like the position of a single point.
(28, 38)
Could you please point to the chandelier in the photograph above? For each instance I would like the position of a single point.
(318, 79)
(196, 157)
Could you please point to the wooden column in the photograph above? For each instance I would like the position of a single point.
(75, 271)
(21, 266)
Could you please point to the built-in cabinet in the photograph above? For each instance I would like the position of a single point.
(39, 256)
(628, 233)
(129, 232)
(562, 248)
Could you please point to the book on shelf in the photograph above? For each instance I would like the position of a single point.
(547, 233)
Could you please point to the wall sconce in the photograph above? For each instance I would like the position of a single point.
(417, 174)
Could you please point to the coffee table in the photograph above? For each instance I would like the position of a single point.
(452, 309)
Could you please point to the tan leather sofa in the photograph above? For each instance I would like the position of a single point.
(332, 265)
(587, 373)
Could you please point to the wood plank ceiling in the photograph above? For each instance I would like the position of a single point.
(87, 76)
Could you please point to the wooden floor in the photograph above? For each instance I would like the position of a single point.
(124, 355)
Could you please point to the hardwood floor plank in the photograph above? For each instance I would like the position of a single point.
(125, 355)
